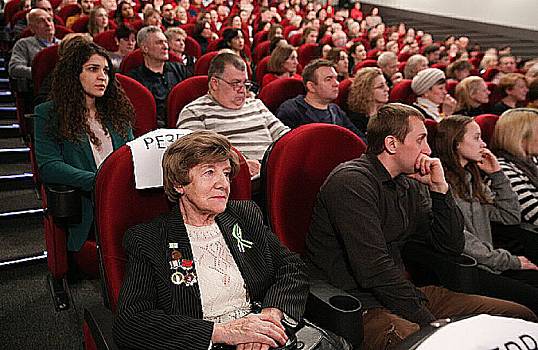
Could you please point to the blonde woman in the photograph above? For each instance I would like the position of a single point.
(471, 93)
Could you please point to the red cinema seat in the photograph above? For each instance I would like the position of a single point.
(192, 48)
(475, 61)
(403, 57)
(68, 11)
(260, 37)
(364, 63)
(43, 64)
(306, 53)
(343, 94)
(431, 126)
(81, 24)
(280, 90)
(143, 103)
(293, 170)
(17, 17)
(201, 67)
(260, 51)
(402, 92)
(439, 66)
(182, 94)
(288, 30)
(451, 88)
(490, 73)
(496, 93)
(106, 40)
(261, 69)
(135, 59)
(295, 39)
(11, 8)
(487, 125)
(188, 28)
(61, 31)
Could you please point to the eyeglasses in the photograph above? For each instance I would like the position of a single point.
(238, 84)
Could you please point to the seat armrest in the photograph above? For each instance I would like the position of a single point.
(459, 273)
(99, 321)
(63, 201)
(336, 311)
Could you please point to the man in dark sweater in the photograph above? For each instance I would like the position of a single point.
(366, 211)
(156, 73)
(321, 84)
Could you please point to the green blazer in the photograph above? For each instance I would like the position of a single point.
(70, 164)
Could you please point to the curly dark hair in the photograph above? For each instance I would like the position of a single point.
(69, 98)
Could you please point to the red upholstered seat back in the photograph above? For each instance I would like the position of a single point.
(306, 53)
(135, 59)
(487, 125)
(182, 94)
(431, 125)
(17, 16)
(451, 88)
(294, 169)
(261, 50)
(192, 48)
(260, 37)
(106, 40)
(496, 93)
(43, 64)
(343, 94)
(61, 31)
(490, 73)
(68, 11)
(402, 92)
(364, 63)
(280, 90)
(261, 69)
(188, 28)
(10, 9)
(81, 24)
(119, 205)
(143, 102)
(295, 39)
(201, 67)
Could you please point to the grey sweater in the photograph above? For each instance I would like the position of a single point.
(24, 51)
(504, 209)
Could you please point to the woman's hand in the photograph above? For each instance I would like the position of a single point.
(526, 264)
(251, 332)
(489, 163)
(254, 167)
(449, 105)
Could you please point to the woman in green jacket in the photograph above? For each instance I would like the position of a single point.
(89, 116)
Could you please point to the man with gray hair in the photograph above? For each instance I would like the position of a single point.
(388, 63)
(24, 51)
(156, 73)
(228, 110)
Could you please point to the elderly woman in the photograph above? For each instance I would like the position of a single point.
(176, 42)
(514, 91)
(465, 158)
(196, 274)
(433, 99)
(471, 93)
(282, 64)
(88, 117)
(415, 64)
(368, 93)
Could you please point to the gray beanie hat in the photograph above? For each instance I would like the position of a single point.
(425, 79)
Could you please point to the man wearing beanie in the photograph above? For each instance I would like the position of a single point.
(433, 100)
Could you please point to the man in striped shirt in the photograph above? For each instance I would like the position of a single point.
(228, 110)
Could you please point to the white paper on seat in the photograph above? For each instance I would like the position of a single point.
(484, 332)
(147, 151)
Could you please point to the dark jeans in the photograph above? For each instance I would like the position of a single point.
(384, 330)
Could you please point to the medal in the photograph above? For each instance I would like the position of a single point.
(176, 255)
(177, 278)
(190, 279)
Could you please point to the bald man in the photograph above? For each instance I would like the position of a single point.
(24, 51)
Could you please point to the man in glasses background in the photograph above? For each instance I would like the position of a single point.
(228, 110)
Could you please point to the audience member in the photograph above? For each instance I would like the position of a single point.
(464, 156)
(472, 94)
(458, 70)
(514, 90)
(368, 93)
(531, 74)
(282, 64)
(25, 49)
(514, 144)
(88, 117)
(176, 41)
(214, 302)
(431, 52)
(152, 17)
(357, 53)
(233, 39)
(388, 63)
(415, 64)
(168, 19)
(532, 95)
(321, 85)
(85, 7)
(181, 15)
(276, 31)
(444, 59)
(203, 34)
(125, 13)
(507, 65)
(309, 36)
(228, 110)
(110, 5)
(124, 36)
(339, 39)
(98, 21)
(339, 57)
(360, 223)
(433, 99)
(22, 23)
(158, 75)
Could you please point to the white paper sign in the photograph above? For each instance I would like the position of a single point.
(147, 151)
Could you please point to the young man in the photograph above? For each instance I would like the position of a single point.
(321, 85)
(368, 208)
(156, 73)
